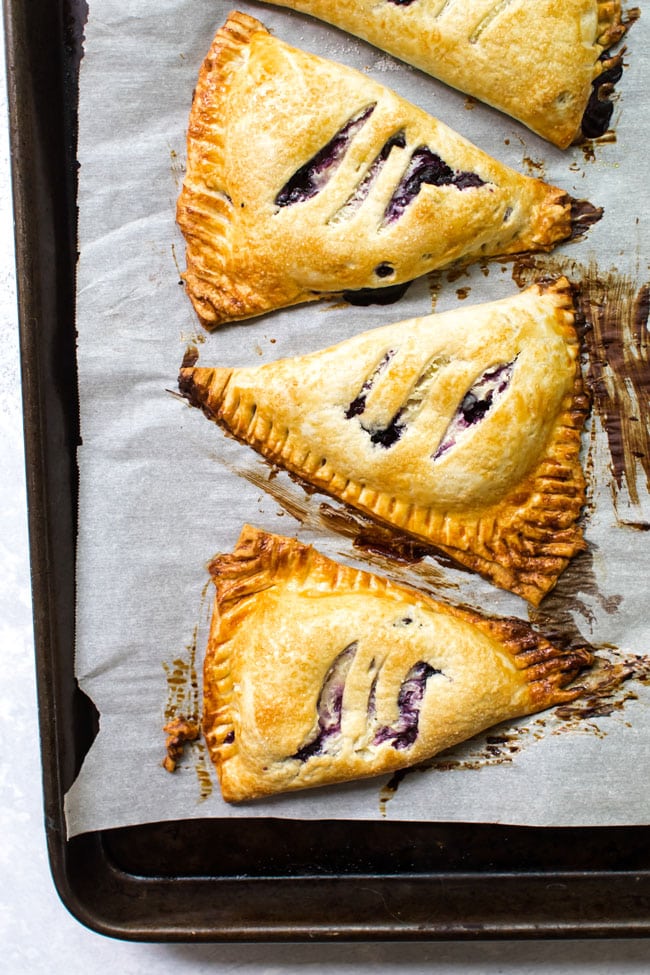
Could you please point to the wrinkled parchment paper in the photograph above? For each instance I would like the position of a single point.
(162, 490)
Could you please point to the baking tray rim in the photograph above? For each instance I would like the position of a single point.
(43, 48)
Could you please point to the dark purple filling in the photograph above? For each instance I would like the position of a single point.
(384, 436)
(387, 436)
(358, 405)
(426, 168)
(229, 738)
(409, 703)
(377, 296)
(330, 705)
(401, 3)
(310, 179)
(476, 403)
(598, 113)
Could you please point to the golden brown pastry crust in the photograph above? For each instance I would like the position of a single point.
(535, 61)
(261, 113)
(317, 673)
(502, 495)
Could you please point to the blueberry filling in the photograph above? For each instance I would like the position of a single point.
(476, 403)
(330, 705)
(377, 296)
(387, 436)
(310, 179)
(401, 3)
(358, 405)
(598, 112)
(409, 703)
(426, 168)
(384, 270)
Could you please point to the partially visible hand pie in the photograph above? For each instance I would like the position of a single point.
(462, 429)
(318, 673)
(544, 62)
(306, 178)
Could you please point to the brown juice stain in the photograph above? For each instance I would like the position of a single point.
(618, 374)
(177, 166)
(389, 789)
(639, 526)
(202, 769)
(182, 686)
(614, 310)
(606, 690)
(182, 711)
(177, 265)
(434, 280)
(380, 547)
(534, 167)
(555, 615)
(455, 272)
(589, 145)
(264, 476)
(608, 687)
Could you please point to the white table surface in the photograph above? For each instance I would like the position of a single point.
(37, 934)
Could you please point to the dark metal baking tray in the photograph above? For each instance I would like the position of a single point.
(243, 879)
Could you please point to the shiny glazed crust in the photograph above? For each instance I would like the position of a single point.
(535, 61)
(318, 673)
(262, 112)
(379, 421)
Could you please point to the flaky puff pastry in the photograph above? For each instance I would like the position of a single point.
(462, 429)
(306, 178)
(544, 63)
(317, 673)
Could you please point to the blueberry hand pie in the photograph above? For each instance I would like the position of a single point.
(462, 429)
(306, 178)
(317, 673)
(544, 62)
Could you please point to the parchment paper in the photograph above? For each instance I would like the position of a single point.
(162, 490)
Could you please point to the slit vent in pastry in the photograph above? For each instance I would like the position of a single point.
(306, 178)
(462, 429)
(318, 673)
(545, 63)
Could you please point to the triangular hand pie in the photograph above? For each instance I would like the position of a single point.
(462, 429)
(544, 63)
(317, 673)
(306, 178)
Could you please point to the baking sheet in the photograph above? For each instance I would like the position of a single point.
(161, 490)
